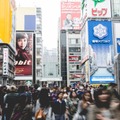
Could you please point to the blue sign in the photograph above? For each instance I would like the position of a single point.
(100, 32)
(118, 45)
(100, 40)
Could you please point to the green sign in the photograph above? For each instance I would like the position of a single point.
(97, 1)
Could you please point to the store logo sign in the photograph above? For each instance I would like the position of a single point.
(100, 31)
(97, 1)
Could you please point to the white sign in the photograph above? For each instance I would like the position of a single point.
(99, 9)
(5, 61)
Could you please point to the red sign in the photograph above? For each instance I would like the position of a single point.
(99, 12)
(73, 58)
(23, 56)
(70, 15)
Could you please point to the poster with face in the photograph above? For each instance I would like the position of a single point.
(70, 14)
(23, 58)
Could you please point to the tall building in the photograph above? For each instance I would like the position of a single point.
(116, 38)
(51, 74)
(69, 42)
(29, 20)
(7, 41)
(100, 24)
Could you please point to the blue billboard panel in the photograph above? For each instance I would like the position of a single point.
(100, 32)
(100, 40)
(118, 45)
(29, 22)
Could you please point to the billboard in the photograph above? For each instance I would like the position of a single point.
(99, 8)
(100, 40)
(24, 50)
(70, 14)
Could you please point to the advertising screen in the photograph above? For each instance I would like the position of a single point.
(23, 58)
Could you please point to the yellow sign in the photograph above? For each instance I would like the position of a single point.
(5, 21)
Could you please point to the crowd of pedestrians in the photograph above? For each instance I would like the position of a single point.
(79, 102)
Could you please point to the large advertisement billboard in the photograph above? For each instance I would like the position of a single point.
(99, 8)
(70, 14)
(100, 40)
(23, 58)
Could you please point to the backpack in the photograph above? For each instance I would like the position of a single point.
(16, 115)
(40, 115)
(17, 112)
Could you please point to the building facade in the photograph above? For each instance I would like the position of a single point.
(29, 20)
(100, 25)
(7, 41)
(69, 42)
(51, 75)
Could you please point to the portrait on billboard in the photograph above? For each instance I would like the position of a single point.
(23, 53)
(68, 22)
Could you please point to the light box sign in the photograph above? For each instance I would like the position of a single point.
(73, 58)
(100, 32)
(99, 8)
(100, 40)
(23, 58)
(5, 61)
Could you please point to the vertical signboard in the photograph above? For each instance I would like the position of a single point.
(5, 21)
(117, 36)
(23, 56)
(5, 61)
(70, 14)
(99, 8)
(100, 40)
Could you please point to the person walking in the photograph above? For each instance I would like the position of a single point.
(59, 107)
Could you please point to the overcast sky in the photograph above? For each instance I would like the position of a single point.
(50, 17)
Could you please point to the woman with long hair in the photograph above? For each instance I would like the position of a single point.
(83, 105)
(103, 109)
(72, 104)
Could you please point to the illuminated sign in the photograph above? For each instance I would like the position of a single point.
(97, 1)
(5, 61)
(99, 8)
(100, 32)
